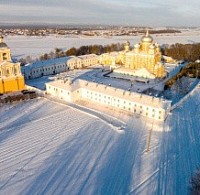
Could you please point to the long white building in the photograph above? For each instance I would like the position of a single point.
(47, 67)
(139, 104)
(58, 65)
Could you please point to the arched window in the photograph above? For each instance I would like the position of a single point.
(4, 56)
(7, 72)
(15, 70)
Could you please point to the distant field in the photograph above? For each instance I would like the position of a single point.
(22, 46)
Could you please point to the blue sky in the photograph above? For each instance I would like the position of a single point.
(117, 12)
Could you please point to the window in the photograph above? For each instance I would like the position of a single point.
(140, 106)
(15, 70)
(147, 108)
(4, 56)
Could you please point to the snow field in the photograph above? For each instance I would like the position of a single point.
(50, 148)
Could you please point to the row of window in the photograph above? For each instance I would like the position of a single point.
(84, 63)
(8, 72)
(127, 108)
(90, 95)
(56, 90)
(49, 68)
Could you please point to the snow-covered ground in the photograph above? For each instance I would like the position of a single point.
(22, 46)
(50, 148)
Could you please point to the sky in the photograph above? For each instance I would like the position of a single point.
(109, 12)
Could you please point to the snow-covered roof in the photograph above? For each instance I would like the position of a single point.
(124, 94)
(74, 58)
(61, 83)
(87, 56)
(49, 62)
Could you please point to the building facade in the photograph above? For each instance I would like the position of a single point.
(55, 66)
(11, 79)
(135, 103)
(43, 68)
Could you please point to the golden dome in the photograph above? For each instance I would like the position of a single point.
(147, 38)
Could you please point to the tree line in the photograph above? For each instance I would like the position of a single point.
(189, 52)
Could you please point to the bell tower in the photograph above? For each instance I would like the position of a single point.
(11, 79)
(4, 51)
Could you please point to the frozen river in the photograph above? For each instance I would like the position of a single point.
(22, 46)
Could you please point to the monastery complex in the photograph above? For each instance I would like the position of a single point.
(143, 62)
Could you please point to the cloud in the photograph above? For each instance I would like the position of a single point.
(143, 12)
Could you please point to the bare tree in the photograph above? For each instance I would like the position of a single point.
(195, 183)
